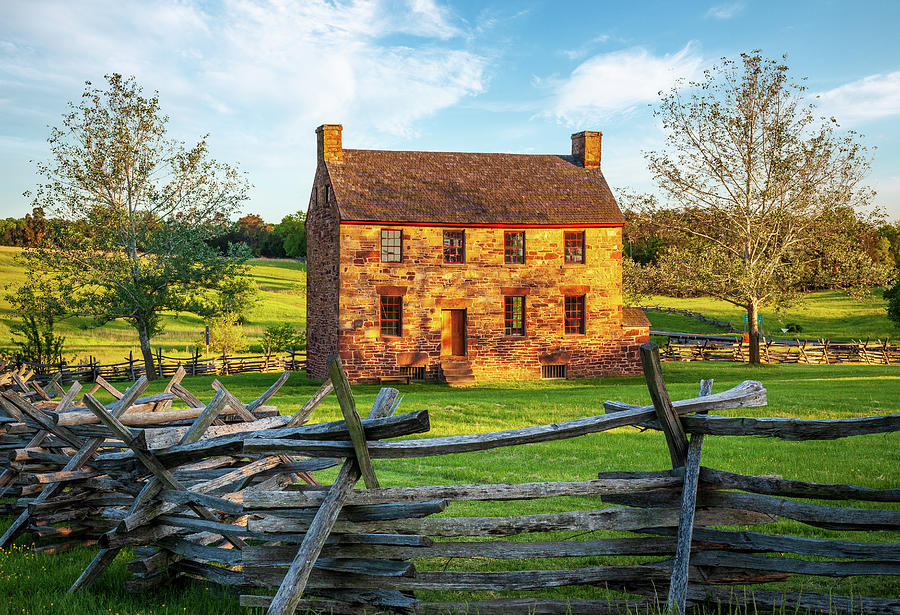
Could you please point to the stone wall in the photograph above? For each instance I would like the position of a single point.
(323, 256)
(428, 285)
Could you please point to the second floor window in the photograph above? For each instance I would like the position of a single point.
(514, 315)
(574, 246)
(391, 246)
(454, 246)
(391, 315)
(574, 314)
(514, 247)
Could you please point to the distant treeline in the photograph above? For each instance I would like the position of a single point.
(650, 233)
(287, 239)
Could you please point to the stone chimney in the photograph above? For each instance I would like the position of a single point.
(328, 143)
(586, 148)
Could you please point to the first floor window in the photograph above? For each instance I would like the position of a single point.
(514, 247)
(454, 246)
(391, 246)
(391, 315)
(514, 315)
(574, 314)
(574, 246)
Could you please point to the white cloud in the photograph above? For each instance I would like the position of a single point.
(725, 11)
(870, 98)
(257, 74)
(617, 82)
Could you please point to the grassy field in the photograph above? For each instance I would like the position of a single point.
(282, 285)
(828, 314)
(37, 584)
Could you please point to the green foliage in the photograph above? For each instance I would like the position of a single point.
(279, 338)
(235, 298)
(292, 231)
(893, 297)
(226, 335)
(38, 308)
(151, 205)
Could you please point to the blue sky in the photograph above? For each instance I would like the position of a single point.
(259, 76)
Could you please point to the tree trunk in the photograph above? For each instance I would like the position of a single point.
(149, 365)
(753, 327)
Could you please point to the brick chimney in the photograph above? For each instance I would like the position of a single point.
(328, 143)
(586, 148)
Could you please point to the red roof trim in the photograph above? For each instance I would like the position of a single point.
(493, 225)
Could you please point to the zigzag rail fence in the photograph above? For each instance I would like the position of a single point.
(701, 347)
(226, 492)
(132, 369)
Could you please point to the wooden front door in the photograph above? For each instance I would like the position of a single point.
(453, 332)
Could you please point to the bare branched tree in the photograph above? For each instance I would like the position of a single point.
(758, 177)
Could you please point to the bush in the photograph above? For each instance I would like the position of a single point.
(279, 338)
(226, 335)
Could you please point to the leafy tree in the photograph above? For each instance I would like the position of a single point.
(278, 338)
(38, 309)
(150, 204)
(226, 335)
(893, 298)
(234, 298)
(758, 177)
(292, 231)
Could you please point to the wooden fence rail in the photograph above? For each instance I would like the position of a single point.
(700, 347)
(131, 368)
(232, 499)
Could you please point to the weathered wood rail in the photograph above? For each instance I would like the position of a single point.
(132, 368)
(701, 347)
(231, 499)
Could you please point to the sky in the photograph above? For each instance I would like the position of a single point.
(259, 75)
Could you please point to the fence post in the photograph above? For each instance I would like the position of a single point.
(668, 418)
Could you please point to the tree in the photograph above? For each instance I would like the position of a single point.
(292, 231)
(893, 298)
(757, 176)
(234, 297)
(37, 306)
(150, 204)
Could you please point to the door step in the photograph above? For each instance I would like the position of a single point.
(457, 371)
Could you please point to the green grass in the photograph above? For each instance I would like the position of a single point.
(31, 583)
(830, 314)
(282, 284)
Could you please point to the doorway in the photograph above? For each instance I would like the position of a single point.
(453, 333)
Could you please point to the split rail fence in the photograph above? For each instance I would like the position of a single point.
(132, 368)
(238, 504)
(699, 347)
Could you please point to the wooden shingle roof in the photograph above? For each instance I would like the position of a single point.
(449, 188)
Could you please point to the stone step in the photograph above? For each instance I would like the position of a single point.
(457, 371)
(460, 370)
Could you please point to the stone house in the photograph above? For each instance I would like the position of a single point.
(466, 266)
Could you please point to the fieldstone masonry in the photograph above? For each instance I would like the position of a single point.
(346, 279)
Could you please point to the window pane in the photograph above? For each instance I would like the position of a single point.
(574, 246)
(574, 314)
(391, 311)
(391, 246)
(514, 247)
(454, 247)
(514, 315)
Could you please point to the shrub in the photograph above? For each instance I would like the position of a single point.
(278, 338)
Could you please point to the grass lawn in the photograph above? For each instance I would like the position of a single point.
(282, 285)
(828, 314)
(37, 584)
